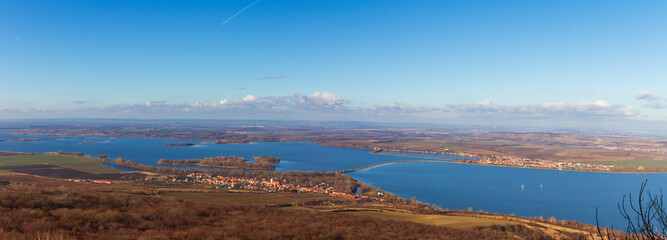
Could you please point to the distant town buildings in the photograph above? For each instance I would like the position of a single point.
(510, 161)
(256, 184)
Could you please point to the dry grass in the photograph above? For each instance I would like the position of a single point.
(631, 165)
(248, 197)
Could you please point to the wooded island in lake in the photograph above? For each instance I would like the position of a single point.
(260, 163)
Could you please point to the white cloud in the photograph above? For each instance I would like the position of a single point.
(318, 100)
(325, 103)
(198, 104)
(647, 96)
(325, 98)
(155, 103)
(655, 105)
(249, 98)
(601, 103)
(399, 108)
(327, 106)
(599, 108)
(652, 100)
(485, 103)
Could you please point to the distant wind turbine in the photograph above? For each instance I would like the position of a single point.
(237, 13)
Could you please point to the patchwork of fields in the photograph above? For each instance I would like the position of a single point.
(58, 166)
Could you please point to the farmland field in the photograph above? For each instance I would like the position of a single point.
(88, 165)
(630, 165)
(440, 220)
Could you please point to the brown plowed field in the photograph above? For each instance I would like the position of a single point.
(48, 170)
(3, 153)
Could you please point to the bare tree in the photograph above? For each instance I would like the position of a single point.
(646, 218)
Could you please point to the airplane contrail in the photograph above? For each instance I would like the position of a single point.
(237, 13)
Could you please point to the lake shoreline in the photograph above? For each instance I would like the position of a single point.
(374, 151)
(454, 186)
(388, 153)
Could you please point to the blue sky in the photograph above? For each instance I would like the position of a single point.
(540, 63)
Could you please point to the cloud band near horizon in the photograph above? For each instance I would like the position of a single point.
(328, 106)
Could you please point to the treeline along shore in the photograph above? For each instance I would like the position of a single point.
(261, 163)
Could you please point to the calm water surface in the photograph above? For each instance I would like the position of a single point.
(547, 193)
(293, 155)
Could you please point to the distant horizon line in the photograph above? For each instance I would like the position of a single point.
(449, 125)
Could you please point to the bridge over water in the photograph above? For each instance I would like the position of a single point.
(382, 163)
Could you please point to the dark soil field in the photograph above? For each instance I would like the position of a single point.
(48, 170)
(85, 164)
(3, 153)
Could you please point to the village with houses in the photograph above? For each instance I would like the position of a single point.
(253, 184)
(509, 161)
(538, 163)
(652, 149)
(260, 184)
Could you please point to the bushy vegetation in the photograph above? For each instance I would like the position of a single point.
(262, 163)
(267, 159)
(33, 213)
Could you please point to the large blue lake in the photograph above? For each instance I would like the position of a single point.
(547, 193)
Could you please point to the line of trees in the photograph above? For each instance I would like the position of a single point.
(261, 163)
(73, 154)
(267, 159)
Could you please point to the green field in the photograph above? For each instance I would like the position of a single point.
(89, 165)
(3, 171)
(440, 220)
(634, 164)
